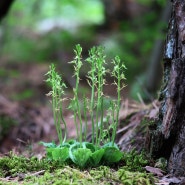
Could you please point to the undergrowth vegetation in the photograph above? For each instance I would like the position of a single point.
(102, 149)
(21, 170)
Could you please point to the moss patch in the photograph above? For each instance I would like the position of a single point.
(21, 170)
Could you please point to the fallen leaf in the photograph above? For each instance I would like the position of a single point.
(155, 171)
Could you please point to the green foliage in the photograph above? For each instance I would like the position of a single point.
(58, 154)
(112, 155)
(91, 152)
(15, 165)
(77, 66)
(96, 157)
(57, 93)
(119, 76)
(135, 178)
(80, 156)
(96, 80)
(83, 154)
(35, 23)
(135, 161)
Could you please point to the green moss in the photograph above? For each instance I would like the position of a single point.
(13, 165)
(161, 163)
(135, 178)
(134, 161)
(30, 171)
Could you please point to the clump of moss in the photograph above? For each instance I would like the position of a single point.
(29, 171)
(134, 161)
(66, 175)
(135, 178)
(13, 165)
(121, 176)
(161, 163)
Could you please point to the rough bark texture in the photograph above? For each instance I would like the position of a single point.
(4, 7)
(167, 135)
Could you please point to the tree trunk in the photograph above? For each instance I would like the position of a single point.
(4, 7)
(167, 135)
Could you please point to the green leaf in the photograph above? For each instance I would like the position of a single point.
(90, 146)
(96, 157)
(58, 154)
(112, 155)
(73, 148)
(111, 145)
(49, 153)
(79, 155)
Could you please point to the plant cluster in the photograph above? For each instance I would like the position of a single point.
(102, 149)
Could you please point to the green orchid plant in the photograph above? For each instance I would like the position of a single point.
(102, 149)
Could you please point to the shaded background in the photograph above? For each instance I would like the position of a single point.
(37, 33)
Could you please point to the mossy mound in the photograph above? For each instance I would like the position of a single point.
(16, 170)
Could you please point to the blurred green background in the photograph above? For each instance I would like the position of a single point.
(45, 31)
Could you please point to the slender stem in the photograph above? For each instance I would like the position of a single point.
(64, 122)
(99, 109)
(92, 83)
(101, 122)
(78, 65)
(79, 115)
(55, 116)
(92, 110)
(97, 113)
(85, 117)
(57, 92)
(76, 125)
(107, 120)
(118, 68)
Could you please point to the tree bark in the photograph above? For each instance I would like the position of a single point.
(4, 7)
(167, 135)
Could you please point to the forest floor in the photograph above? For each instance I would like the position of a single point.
(26, 119)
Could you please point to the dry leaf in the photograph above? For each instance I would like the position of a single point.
(155, 171)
